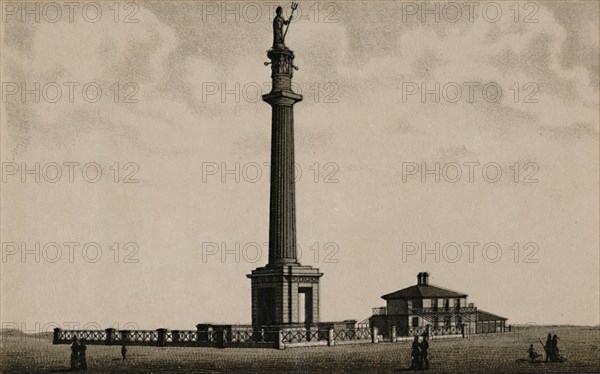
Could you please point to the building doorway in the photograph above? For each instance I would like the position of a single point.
(305, 305)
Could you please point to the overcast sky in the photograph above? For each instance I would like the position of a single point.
(363, 125)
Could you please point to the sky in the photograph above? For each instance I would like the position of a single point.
(163, 99)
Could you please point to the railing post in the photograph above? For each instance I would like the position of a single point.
(330, 337)
(279, 344)
(110, 336)
(162, 337)
(56, 336)
(199, 336)
(393, 334)
(374, 333)
(175, 334)
(221, 338)
(205, 332)
(125, 336)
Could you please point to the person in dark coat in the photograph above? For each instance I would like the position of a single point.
(548, 348)
(124, 352)
(82, 358)
(554, 350)
(415, 354)
(74, 353)
(423, 360)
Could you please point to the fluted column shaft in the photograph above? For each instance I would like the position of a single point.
(282, 216)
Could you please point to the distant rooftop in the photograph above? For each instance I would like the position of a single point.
(423, 290)
(487, 316)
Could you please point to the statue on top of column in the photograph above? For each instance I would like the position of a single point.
(278, 23)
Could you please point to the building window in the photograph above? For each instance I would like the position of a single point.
(415, 321)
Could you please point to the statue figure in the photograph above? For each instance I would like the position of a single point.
(278, 23)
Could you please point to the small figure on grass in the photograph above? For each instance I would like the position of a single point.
(74, 353)
(554, 355)
(82, 359)
(533, 355)
(415, 354)
(423, 348)
(548, 347)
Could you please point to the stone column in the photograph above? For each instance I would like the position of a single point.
(282, 208)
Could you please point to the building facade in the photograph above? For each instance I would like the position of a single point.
(432, 310)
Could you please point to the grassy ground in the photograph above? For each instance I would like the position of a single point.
(491, 353)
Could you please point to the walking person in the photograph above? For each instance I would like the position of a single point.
(124, 352)
(82, 358)
(415, 356)
(424, 347)
(74, 353)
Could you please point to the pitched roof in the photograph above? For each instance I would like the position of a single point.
(487, 316)
(422, 291)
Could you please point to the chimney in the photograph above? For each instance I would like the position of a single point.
(425, 279)
(419, 279)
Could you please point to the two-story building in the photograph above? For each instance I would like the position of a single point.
(425, 308)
